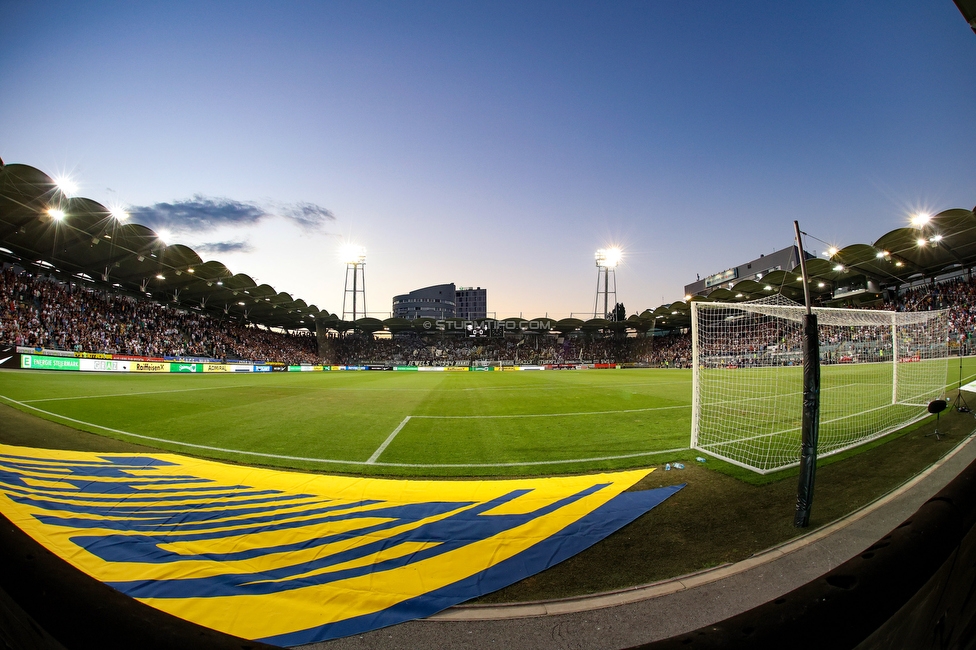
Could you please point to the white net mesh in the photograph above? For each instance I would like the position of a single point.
(879, 370)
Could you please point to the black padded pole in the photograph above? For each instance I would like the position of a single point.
(810, 424)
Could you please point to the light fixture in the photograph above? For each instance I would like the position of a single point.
(353, 254)
(66, 185)
(921, 219)
(609, 258)
(55, 214)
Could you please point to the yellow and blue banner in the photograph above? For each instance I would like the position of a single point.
(292, 558)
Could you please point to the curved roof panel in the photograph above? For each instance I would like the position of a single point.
(84, 239)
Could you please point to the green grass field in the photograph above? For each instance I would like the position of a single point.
(385, 423)
(460, 424)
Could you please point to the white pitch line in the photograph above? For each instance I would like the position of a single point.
(386, 443)
(345, 462)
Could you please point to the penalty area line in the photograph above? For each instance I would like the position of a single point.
(386, 443)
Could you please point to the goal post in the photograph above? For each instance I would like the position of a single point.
(879, 371)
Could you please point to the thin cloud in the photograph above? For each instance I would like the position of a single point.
(202, 213)
(219, 247)
(307, 216)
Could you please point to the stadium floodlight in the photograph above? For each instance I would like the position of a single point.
(55, 214)
(163, 236)
(352, 254)
(936, 238)
(160, 276)
(832, 251)
(66, 185)
(921, 219)
(609, 258)
(839, 267)
(921, 242)
(882, 254)
(118, 213)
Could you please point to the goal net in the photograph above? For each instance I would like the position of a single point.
(879, 370)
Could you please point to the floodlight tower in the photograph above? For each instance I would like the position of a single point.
(355, 258)
(606, 264)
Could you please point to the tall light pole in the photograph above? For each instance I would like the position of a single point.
(355, 259)
(606, 263)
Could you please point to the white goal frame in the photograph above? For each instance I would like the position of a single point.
(747, 377)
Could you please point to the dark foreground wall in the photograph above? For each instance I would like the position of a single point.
(914, 589)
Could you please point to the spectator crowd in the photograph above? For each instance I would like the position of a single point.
(673, 350)
(43, 312)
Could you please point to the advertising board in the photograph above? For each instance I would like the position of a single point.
(104, 365)
(149, 366)
(34, 362)
(185, 367)
(9, 358)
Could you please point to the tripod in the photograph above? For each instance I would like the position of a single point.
(960, 402)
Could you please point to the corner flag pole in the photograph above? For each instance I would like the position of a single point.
(810, 424)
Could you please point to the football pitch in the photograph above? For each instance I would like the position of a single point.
(386, 423)
(381, 423)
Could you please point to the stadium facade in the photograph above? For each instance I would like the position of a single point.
(436, 301)
(472, 303)
(442, 301)
(785, 259)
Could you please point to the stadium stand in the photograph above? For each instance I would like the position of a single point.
(672, 350)
(43, 312)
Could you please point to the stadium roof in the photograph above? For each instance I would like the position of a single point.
(76, 237)
(968, 10)
(931, 247)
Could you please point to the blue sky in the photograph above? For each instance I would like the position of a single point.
(498, 144)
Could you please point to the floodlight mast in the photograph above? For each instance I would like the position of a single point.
(606, 264)
(355, 258)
